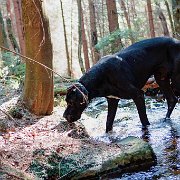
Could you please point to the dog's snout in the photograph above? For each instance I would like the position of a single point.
(68, 117)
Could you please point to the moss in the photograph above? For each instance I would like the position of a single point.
(94, 162)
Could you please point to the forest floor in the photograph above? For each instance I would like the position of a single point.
(22, 134)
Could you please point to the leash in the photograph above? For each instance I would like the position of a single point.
(85, 97)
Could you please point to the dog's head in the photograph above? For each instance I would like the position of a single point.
(77, 101)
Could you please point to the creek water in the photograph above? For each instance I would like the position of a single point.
(163, 135)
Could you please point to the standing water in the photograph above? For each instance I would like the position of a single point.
(163, 135)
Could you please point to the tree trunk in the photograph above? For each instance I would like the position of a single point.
(38, 90)
(80, 37)
(123, 7)
(176, 16)
(169, 15)
(19, 25)
(150, 17)
(112, 15)
(162, 19)
(4, 41)
(94, 36)
(84, 42)
(12, 36)
(133, 9)
(66, 41)
(113, 20)
(1, 39)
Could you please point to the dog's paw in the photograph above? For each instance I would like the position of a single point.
(145, 127)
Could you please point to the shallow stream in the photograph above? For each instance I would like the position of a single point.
(163, 135)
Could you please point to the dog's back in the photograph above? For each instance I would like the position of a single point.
(150, 55)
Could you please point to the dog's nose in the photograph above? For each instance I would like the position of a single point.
(67, 117)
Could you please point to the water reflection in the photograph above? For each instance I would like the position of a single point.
(171, 151)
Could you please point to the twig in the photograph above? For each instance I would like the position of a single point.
(7, 114)
(30, 59)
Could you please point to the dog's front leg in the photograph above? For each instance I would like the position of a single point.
(140, 104)
(112, 108)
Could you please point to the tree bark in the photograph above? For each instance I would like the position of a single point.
(4, 41)
(112, 15)
(113, 20)
(80, 37)
(12, 36)
(93, 29)
(150, 17)
(19, 25)
(169, 15)
(84, 42)
(176, 16)
(163, 20)
(38, 94)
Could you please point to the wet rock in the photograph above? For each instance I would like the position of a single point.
(103, 160)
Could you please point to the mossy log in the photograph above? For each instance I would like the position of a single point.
(60, 91)
(134, 154)
(96, 160)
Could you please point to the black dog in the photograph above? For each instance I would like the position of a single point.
(124, 74)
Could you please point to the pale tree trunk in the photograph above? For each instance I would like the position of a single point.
(162, 19)
(80, 37)
(93, 29)
(150, 17)
(133, 9)
(113, 20)
(84, 42)
(66, 41)
(169, 15)
(71, 41)
(19, 25)
(176, 17)
(123, 7)
(38, 94)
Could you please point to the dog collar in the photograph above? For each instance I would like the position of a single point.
(85, 97)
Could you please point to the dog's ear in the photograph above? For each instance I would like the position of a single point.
(71, 93)
(75, 93)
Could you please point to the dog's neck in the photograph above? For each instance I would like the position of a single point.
(92, 92)
(85, 95)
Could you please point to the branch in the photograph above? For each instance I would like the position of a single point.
(7, 114)
(30, 59)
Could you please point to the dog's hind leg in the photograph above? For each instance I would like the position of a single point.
(112, 108)
(164, 84)
(176, 84)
